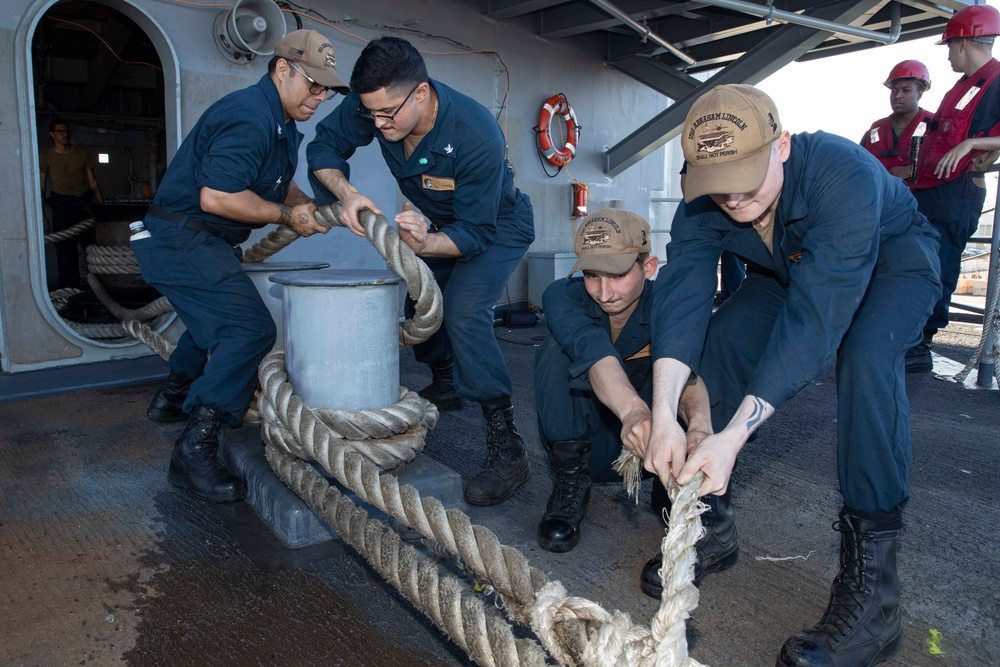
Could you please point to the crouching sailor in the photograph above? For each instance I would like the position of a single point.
(593, 382)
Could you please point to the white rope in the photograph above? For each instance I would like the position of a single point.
(574, 630)
(69, 232)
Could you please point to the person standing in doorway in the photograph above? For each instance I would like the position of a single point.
(67, 169)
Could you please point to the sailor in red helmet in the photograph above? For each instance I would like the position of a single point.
(890, 139)
(949, 186)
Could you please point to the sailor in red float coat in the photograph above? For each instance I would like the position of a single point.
(961, 142)
(953, 125)
(892, 148)
(889, 139)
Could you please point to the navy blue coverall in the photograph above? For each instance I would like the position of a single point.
(954, 207)
(568, 408)
(241, 142)
(458, 178)
(853, 277)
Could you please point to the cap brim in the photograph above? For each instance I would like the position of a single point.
(325, 77)
(613, 264)
(727, 178)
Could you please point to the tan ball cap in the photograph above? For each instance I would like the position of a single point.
(727, 141)
(610, 240)
(314, 54)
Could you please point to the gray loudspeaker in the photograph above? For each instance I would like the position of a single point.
(251, 28)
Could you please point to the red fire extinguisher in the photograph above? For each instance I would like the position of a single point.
(579, 199)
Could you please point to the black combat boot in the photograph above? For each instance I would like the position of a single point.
(559, 529)
(442, 391)
(168, 403)
(195, 463)
(862, 625)
(918, 357)
(506, 466)
(717, 550)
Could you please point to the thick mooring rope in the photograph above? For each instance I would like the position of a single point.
(420, 282)
(69, 232)
(60, 296)
(143, 332)
(472, 624)
(386, 436)
(574, 630)
(113, 260)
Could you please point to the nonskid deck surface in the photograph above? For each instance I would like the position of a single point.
(102, 562)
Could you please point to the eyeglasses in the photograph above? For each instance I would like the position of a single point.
(391, 118)
(314, 87)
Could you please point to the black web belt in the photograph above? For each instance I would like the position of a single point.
(191, 222)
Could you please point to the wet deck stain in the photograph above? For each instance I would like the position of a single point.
(227, 592)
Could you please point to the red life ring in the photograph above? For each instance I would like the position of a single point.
(557, 104)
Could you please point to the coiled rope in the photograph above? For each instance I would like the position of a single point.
(59, 297)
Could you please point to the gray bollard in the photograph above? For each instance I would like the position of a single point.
(260, 274)
(341, 332)
(342, 337)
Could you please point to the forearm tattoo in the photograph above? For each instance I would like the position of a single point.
(757, 416)
(285, 216)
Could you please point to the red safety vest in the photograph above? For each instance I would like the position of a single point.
(950, 126)
(892, 152)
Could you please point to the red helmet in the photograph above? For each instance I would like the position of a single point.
(974, 21)
(910, 69)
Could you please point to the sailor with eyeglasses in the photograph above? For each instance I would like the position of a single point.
(233, 173)
(464, 217)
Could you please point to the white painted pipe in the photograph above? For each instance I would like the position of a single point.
(645, 32)
(342, 337)
(770, 13)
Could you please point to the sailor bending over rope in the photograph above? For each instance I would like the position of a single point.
(232, 174)
(841, 267)
(472, 227)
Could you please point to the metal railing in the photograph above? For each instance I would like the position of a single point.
(987, 361)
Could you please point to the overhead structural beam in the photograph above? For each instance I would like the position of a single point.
(642, 30)
(664, 80)
(501, 10)
(785, 46)
(772, 14)
(576, 18)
